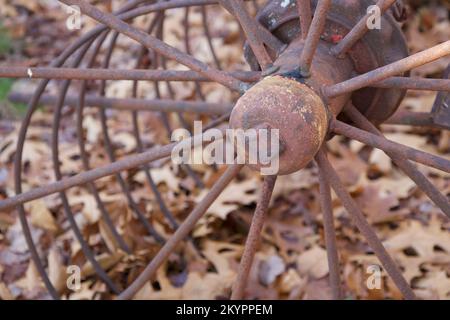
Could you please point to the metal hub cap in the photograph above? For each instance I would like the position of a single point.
(291, 107)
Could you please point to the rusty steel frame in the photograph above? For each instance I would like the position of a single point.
(408, 168)
(176, 75)
(258, 38)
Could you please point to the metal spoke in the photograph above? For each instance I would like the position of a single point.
(359, 30)
(159, 46)
(360, 221)
(265, 35)
(137, 135)
(414, 84)
(253, 237)
(182, 232)
(111, 74)
(249, 26)
(126, 163)
(21, 139)
(386, 145)
(371, 77)
(314, 33)
(208, 37)
(421, 181)
(134, 104)
(330, 236)
(304, 12)
(88, 59)
(410, 118)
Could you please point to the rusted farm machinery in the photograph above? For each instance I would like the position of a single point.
(316, 71)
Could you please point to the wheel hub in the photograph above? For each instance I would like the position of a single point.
(291, 107)
(378, 48)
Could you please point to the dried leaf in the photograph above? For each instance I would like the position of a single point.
(313, 263)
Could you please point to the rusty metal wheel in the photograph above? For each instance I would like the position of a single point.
(316, 71)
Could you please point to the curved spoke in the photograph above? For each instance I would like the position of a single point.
(187, 45)
(386, 145)
(371, 77)
(85, 248)
(359, 30)
(253, 237)
(363, 226)
(85, 157)
(157, 45)
(314, 33)
(422, 182)
(137, 135)
(22, 136)
(330, 236)
(208, 37)
(155, 54)
(182, 231)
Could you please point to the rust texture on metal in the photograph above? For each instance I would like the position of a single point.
(321, 73)
(411, 118)
(305, 91)
(378, 48)
(414, 84)
(330, 236)
(390, 146)
(251, 30)
(253, 238)
(390, 70)
(314, 33)
(406, 166)
(441, 106)
(363, 226)
(359, 30)
(157, 45)
(305, 16)
(182, 231)
(291, 107)
(133, 104)
(109, 74)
